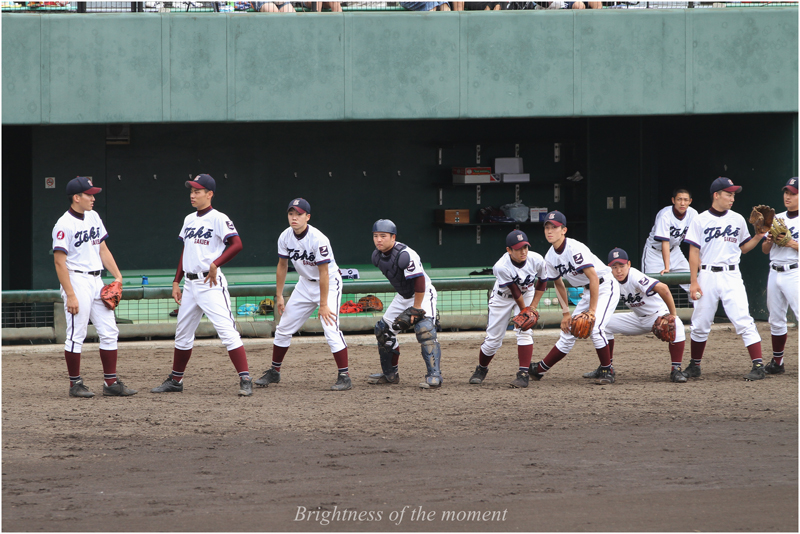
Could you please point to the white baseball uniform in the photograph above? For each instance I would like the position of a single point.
(204, 239)
(569, 263)
(501, 302)
(79, 236)
(399, 304)
(306, 252)
(639, 295)
(719, 236)
(782, 286)
(668, 227)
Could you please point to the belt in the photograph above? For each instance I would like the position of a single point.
(312, 279)
(659, 248)
(192, 276)
(783, 268)
(599, 282)
(715, 269)
(505, 295)
(93, 273)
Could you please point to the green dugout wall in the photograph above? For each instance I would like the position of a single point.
(361, 106)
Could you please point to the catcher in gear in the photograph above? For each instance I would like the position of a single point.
(520, 283)
(80, 252)
(652, 311)
(784, 272)
(414, 306)
(571, 260)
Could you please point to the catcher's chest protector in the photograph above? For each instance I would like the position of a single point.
(388, 264)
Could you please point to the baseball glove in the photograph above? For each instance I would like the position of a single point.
(266, 306)
(111, 294)
(581, 325)
(408, 318)
(761, 218)
(780, 232)
(371, 303)
(526, 318)
(664, 328)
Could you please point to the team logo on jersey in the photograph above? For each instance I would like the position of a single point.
(60, 235)
(678, 233)
(644, 281)
(728, 234)
(411, 267)
(305, 257)
(229, 224)
(578, 258)
(524, 284)
(564, 270)
(323, 251)
(633, 301)
(200, 235)
(92, 235)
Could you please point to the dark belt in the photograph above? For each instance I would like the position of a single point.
(312, 279)
(599, 282)
(714, 269)
(784, 268)
(506, 295)
(192, 276)
(659, 248)
(93, 273)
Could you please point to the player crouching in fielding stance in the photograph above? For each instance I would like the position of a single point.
(320, 285)
(516, 273)
(413, 305)
(80, 253)
(718, 238)
(209, 241)
(782, 285)
(574, 261)
(650, 303)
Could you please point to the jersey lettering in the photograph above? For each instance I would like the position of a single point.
(305, 257)
(92, 235)
(200, 233)
(728, 234)
(524, 284)
(564, 270)
(678, 233)
(633, 301)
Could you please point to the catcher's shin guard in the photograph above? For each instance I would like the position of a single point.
(386, 340)
(431, 351)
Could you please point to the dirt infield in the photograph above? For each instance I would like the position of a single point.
(716, 454)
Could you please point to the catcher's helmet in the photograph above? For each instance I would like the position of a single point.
(384, 225)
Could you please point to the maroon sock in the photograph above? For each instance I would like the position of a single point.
(604, 354)
(779, 343)
(485, 360)
(396, 357)
(179, 360)
(239, 359)
(341, 359)
(278, 354)
(697, 349)
(73, 365)
(676, 352)
(611, 348)
(755, 351)
(525, 355)
(109, 359)
(552, 358)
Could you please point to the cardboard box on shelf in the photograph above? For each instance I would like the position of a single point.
(458, 216)
(472, 170)
(508, 165)
(475, 178)
(516, 177)
(538, 214)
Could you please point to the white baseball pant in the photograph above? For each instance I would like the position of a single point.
(199, 298)
(630, 324)
(726, 286)
(501, 307)
(607, 301)
(87, 289)
(653, 262)
(400, 304)
(781, 294)
(304, 300)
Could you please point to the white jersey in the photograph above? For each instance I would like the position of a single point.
(307, 251)
(80, 237)
(204, 238)
(571, 261)
(414, 267)
(509, 273)
(779, 255)
(639, 295)
(718, 236)
(670, 228)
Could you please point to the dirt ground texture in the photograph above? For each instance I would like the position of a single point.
(644, 454)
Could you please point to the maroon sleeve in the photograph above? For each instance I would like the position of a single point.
(515, 292)
(233, 248)
(541, 285)
(419, 284)
(179, 272)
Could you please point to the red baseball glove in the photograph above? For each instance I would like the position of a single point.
(664, 328)
(581, 325)
(111, 294)
(526, 318)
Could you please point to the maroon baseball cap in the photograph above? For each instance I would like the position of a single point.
(516, 239)
(724, 184)
(617, 255)
(203, 181)
(556, 217)
(301, 205)
(82, 184)
(791, 185)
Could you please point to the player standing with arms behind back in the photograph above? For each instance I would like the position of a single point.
(209, 241)
(718, 238)
(80, 253)
(662, 250)
(782, 286)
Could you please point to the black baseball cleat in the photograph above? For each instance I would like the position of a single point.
(270, 377)
(607, 376)
(593, 374)
(521, 381)
(773, 368)
(79, 389)
(533, 371)
(245, 387)
(169, 385)
(380, 378)
(692, 371)
(677, 375)
(756, 373)
(343, 382)
(479, 375)
(118, 389)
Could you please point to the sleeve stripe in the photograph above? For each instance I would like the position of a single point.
(691, 243)
(225, 239)
(746, 240)
(60, 249)
(414, 276)
(506, 285)
(650, 290)
(282, 256)
(323, 262)
(659, 238)
(104, 238)
(582, 267)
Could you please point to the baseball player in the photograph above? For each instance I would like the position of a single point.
(718, 238)
(209, 241)
(319, 286)
(662, 250)
(403, 268)
(647, 299)
(80, 253)
(521, 281)
(782, 286)
(572, 260)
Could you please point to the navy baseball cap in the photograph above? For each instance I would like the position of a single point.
(724, 184)
(203, 181)
(516, 239)
(791, 185)
(617, 255)
(301, 205)
(556, 217)
(82, 184)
